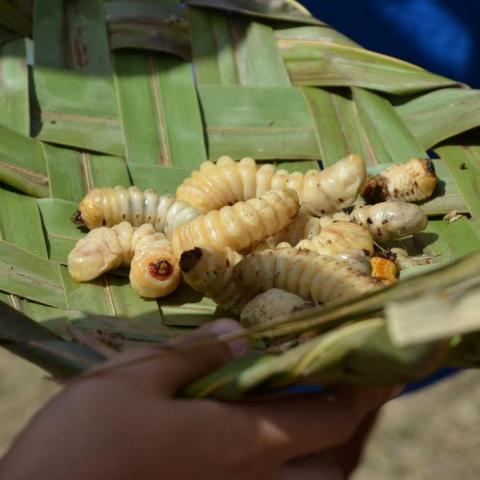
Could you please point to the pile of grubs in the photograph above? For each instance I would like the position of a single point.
(260, 241)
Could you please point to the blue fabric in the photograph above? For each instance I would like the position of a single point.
(440, 35)
(434, 378)
(411, 388)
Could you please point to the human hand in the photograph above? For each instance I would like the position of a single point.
(125, 423)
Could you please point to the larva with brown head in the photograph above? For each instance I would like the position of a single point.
(240, 226)
(411, 181)
(110, 206)
(210, 271)
(226, 182)
(315, 277)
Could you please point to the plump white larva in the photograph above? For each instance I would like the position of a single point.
(411, 181)
(326, 235)
(226, 182)
(272, 304)
(303, 226)
(388, 220)
(104, 249)
(110, 206)
(210, 271)
(314, 277)
(338, 237)
(357, 258)
(385, 221)
(154, 270)
(240, 226)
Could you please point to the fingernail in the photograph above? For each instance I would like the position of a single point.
(238, 346)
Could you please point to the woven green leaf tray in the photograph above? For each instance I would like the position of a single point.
(100, 93)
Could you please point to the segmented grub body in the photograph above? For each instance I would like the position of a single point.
(338, 237)
(104, 249)
(226, 182)
(357, 259)
(270, 305)
(411, 181)
(210, 271)
(314, 277)
(384, 221)
(240, 226)
(303, 226)
(388, 220)
(110, 206)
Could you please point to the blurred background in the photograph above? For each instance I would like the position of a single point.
(433, 434)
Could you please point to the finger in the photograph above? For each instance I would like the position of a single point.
(311, 467)
(303, 425)
(348, 455)
(169, 368)
(193, 361)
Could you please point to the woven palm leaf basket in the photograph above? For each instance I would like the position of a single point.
(99, 93)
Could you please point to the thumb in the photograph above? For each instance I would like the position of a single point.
(186, 360)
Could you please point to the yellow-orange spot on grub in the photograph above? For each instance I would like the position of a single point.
(384, 269)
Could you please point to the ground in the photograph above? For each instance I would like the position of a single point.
(431, 435)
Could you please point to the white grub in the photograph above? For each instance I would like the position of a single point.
(104, 249)
(270, 305)
(385, 221)
(338, 237)
(154, 269)
(210, 271)
(240, 226)
(314, 277)
(111, 206)
(226, 182)
(389, 220)
(357, 259)
(411, 181)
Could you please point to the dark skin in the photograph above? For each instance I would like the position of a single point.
(125, 423)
